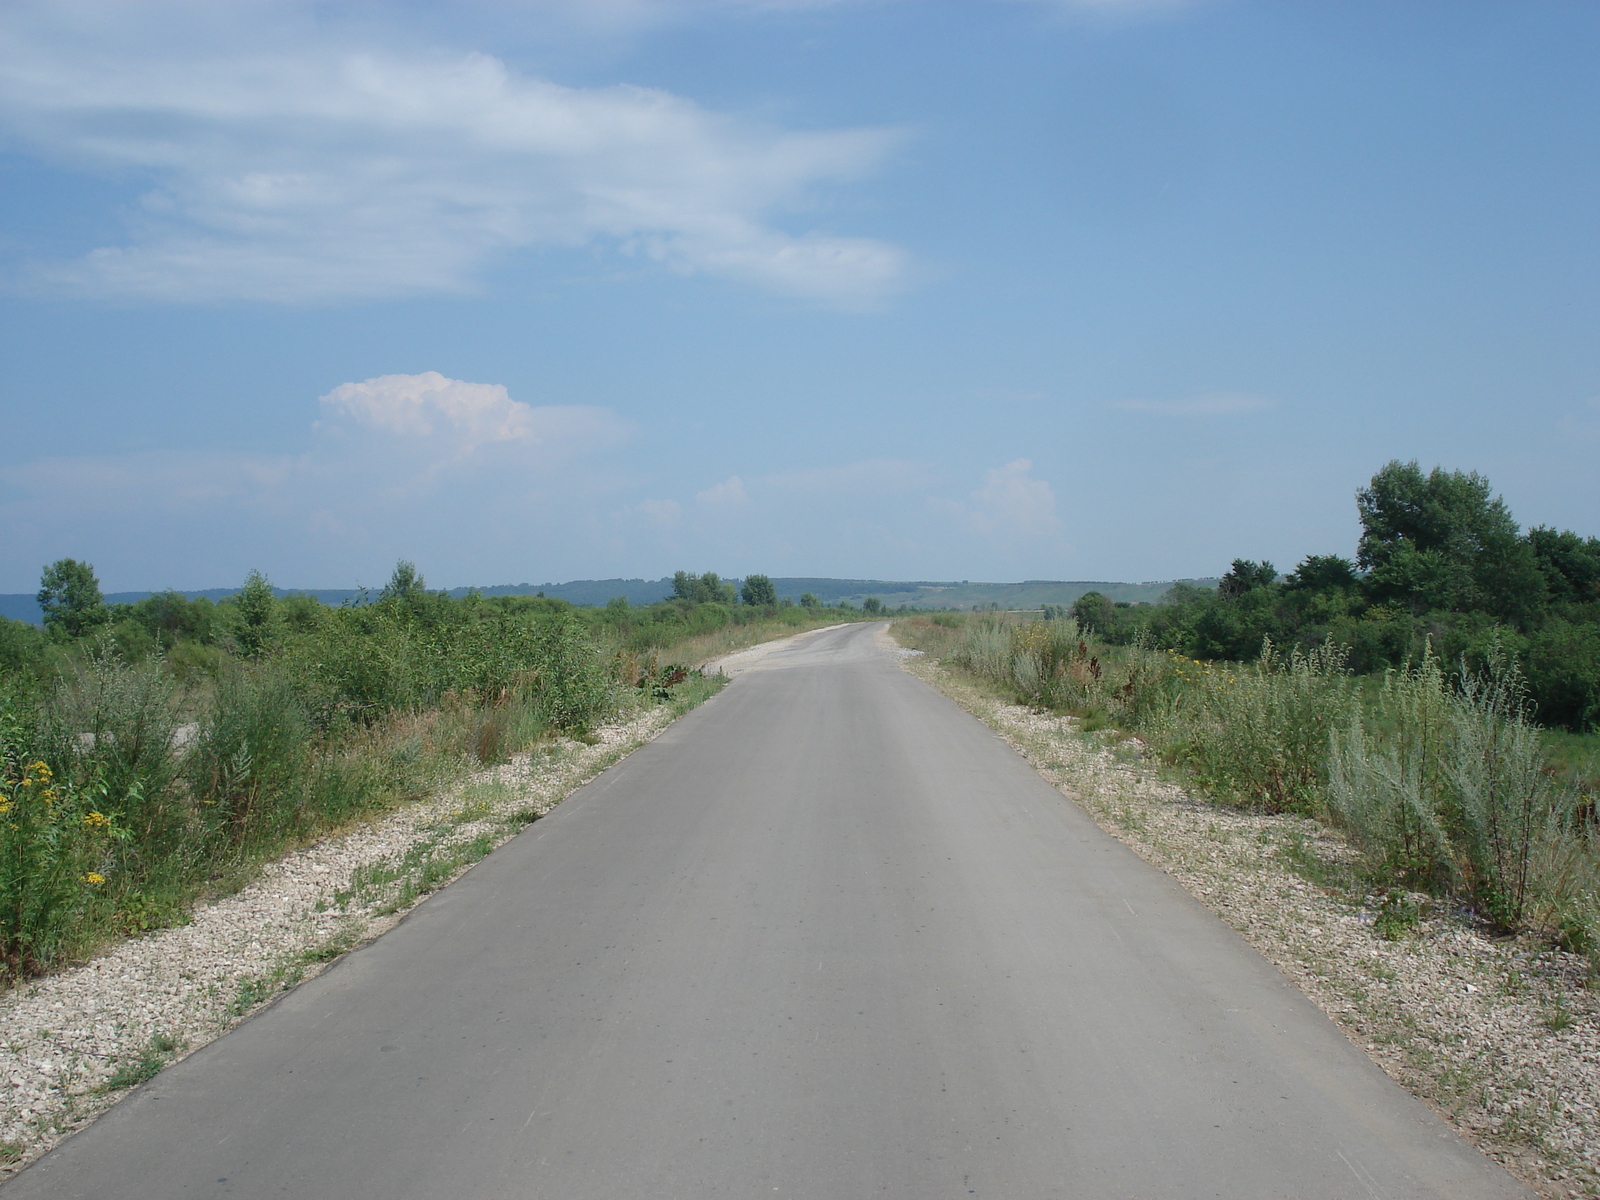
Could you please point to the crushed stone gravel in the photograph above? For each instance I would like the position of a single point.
(1501, 1036)
(70, 1043)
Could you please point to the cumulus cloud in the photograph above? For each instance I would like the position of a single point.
(729, 493)
(299, 171)
(393, 461)
(1215, 404)
(414, 428)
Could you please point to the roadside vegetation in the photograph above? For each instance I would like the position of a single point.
(1435, 699)
(154, 755)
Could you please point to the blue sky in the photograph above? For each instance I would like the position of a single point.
(987, 290)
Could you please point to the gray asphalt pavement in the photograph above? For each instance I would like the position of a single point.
(827, 937)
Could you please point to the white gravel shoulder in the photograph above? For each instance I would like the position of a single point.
(149, 1000)
(1501, 1036)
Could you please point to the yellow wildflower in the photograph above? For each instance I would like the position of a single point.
(95, 878)
(96, 820)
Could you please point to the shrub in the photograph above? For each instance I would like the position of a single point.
(1261, 734)
(246, 769)
(1444, 787)
(111, 725)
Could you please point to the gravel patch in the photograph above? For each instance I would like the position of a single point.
(1501, 1036)
(71, 1043)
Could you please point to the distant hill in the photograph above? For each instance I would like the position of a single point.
(1032, 593)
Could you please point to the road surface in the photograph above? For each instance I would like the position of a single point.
(827, 937)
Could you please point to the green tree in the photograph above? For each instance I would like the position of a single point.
(1570, 564)
(872, 605)
(1323, 573)
(405, 583)
(1441, 541)
(255, 611)
(70, 596)
(702, 589)
(1245, 577)
(758, 592)
(809, 600)
(1092, 611)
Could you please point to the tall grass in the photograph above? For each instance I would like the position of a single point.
(1439, 777)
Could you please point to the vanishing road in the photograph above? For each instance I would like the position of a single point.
(827, 938)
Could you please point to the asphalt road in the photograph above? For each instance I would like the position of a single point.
(827, 937)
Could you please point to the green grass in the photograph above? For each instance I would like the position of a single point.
(1575, 757)
(157, 1053)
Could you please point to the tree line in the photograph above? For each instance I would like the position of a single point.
(1441, 565)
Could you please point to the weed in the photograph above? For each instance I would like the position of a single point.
(1398, 914)
(253, 992)
(155, 1055)
(334, 946)
(1299, 852)
(1559, 1017)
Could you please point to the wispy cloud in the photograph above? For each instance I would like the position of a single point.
(1215, 404)
(729, 493)
(1010, 505)
(301, 171)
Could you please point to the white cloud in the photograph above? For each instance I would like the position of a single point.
(299, 170)
(729, 493)
(1010, 505)
(428, 405)
(411, 429)
(397, 462)
(1215, 404)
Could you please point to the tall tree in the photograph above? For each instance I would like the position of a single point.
(759, 592)
(1093, 612)
(1442, 541)
(404, 583)
(71, 599)
(256, 614)
(1245, 577)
